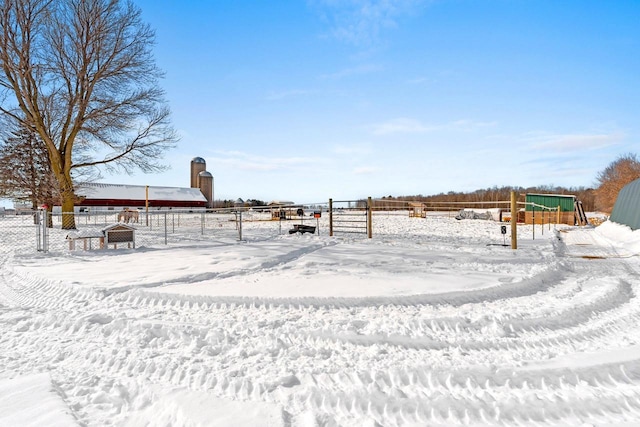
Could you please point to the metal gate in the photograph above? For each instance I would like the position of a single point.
(354, 218)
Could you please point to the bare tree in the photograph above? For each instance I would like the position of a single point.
(619, 173)
(80, 74)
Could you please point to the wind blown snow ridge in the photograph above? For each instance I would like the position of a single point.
(539, 283)
(414, 330)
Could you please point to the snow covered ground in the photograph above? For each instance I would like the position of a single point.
(431, 322)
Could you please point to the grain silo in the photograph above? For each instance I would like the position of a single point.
(197, 165)
(205, 183)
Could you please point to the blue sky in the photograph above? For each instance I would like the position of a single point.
(307, 100)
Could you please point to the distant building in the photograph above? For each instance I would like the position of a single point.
(280, 203)
(113, 196)
(283, 209)
(554, 208)
(417, 209)
(118, 196)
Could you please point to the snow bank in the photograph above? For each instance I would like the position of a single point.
(621, 235)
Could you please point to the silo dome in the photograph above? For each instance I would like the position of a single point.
(197, 165)
(205, 183)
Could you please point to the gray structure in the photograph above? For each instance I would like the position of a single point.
(626, 211)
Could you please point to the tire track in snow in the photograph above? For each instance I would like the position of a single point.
(319, 357)
(539, 283)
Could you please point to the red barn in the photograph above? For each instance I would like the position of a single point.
(110, 196)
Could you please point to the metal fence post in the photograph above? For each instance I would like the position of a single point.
(45, 230)
(330, 217)
(38, 231)
(165, 227)
(240, 225)
(41, 230)
(533, 222)
(369, 218)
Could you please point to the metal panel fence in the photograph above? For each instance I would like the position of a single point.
(41, 231)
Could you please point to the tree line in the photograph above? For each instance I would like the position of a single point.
(492, 197)
(601, 197)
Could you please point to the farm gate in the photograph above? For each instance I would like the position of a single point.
(350, 216)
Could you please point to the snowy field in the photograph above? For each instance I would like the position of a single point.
(430, 323)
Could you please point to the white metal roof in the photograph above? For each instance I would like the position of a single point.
(138, 192)
(551, 195)
(280, 203)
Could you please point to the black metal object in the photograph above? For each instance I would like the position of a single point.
(300, 228)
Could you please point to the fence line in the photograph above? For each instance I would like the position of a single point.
(31, 231)
(42, 231)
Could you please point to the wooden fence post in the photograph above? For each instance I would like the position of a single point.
(514, 221)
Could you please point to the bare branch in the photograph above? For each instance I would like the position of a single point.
(619, 173)
(80, 73)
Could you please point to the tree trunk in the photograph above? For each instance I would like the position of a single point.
(68, 217)
(62, 173)
(68, 200)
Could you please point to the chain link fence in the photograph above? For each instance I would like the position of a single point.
(31, 231)
(20, 233)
